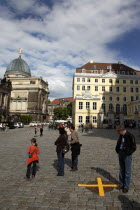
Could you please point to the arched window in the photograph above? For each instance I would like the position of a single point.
(125, 109)
(104, 108)
(117, 108)
(110, 107)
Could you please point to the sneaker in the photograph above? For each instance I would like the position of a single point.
(125, 190)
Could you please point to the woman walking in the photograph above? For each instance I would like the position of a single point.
(61, 144)
(33, 152)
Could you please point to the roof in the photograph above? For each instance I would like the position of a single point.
(57, 101)
(114, 66)
(18, 66)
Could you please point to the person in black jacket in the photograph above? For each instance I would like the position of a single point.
(61, 143)
(126, 145)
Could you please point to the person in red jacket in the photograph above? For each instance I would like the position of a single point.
(33, 152)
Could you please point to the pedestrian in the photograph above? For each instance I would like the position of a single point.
(33, 159)
(41, 130)
(75, 148)
(125, 147)
(61, 144)
(36, 131)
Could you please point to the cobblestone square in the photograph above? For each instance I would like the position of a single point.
(47, 191)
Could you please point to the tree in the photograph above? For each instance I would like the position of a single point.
(63, 113)
(26, 119)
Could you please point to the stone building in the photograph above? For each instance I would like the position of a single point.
(5, 94)
(29, 94)
(104, 92)
(56, 103)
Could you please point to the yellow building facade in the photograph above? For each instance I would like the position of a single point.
(103, 92)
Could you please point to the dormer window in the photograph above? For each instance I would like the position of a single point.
(123, 72)
(96, 72)
(83, 70)
(134, 73)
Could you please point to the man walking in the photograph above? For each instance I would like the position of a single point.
(125, 147)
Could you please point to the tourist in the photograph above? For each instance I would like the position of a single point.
(36, 131)
(33, 159)
(41, 130)
(61, 144)
(75, 148)
(125, 147)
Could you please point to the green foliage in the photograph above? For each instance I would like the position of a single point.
(26, 119)
(63, 113)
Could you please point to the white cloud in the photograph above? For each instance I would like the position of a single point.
(57, 41)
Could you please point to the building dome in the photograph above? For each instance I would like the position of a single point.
(18, 66)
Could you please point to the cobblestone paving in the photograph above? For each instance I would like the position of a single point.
(46, 190)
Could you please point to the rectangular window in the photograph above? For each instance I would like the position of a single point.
(136, 81)
(110, 89)
(80, 119)
(32, 82)
(137, 90)
(80, 105)
(96, 88)
(110, 80)
(88, 87)
(131, 81)
(103, 88)
(124, 81)
(124, 89)
(87, 105)
(137, 97)
(103, 80)
(132, 98)
(83, 79)
(117, 81)
(138, 108)
(131, 89)
(88, 79)
(83, 87)
(78, 79)
(96, 80)
(87, 119)
(94, 105)
(94, 119)
(78, 87)
(117, 89)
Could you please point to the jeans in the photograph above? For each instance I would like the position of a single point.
(74, 161)
(60, 156)
(31, 170)
(125, 169)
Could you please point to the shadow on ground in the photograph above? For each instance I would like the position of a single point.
(67, 162)
(105, 174)
(128, 204)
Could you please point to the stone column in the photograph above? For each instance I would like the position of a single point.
(111, 118)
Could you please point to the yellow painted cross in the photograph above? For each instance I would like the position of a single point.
(100, 186)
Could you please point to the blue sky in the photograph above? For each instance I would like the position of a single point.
(58, 36)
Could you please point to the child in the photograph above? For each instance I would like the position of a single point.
(33, 152)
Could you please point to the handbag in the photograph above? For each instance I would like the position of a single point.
(65, 149)
(30, 154)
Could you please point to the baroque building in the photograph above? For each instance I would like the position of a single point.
(29, 94)
(105, 91)
(5, 94)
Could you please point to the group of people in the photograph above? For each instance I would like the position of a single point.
(40, 129)
(125, 147)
